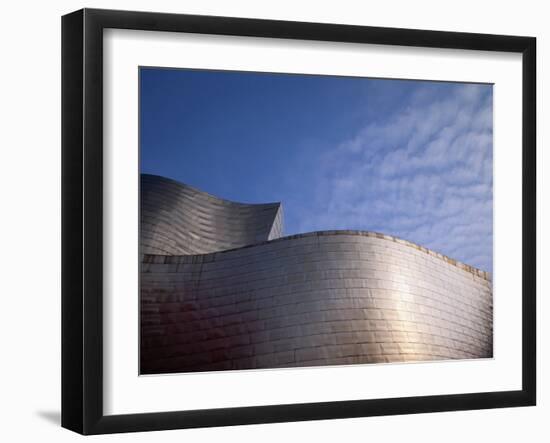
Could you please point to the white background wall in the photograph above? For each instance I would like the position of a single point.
(30, 221)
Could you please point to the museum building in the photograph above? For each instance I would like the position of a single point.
(221, 288)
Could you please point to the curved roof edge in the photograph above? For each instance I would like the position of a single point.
(207, 194)
(151, 258)
(177, 219)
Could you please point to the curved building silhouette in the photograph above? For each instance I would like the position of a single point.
(222, 290)
(180, 220)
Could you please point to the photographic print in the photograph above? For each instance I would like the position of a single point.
(291, 220)
(275, 221)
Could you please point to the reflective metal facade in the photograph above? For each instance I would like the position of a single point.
(323, 298)
(179, 219)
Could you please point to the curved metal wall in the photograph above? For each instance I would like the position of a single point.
(325, 298)
(179, 219)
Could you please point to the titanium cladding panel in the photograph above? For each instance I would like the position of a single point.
(179, 219)
(324, 298)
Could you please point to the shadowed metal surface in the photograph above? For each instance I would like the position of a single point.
(323, 298)
(179, 219)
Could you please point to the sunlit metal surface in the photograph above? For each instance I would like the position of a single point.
(323, 298)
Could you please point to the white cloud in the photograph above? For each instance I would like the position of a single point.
(424, 173)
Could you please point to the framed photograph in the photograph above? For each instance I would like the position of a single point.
(268, 221)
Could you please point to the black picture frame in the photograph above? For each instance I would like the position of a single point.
(82, 215)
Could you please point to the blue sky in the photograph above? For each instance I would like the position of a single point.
(408, 158)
